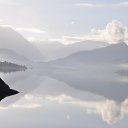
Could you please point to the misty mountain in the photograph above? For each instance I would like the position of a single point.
(12, 40)
(12, 56)
(110, 54)
(56, 50)
(50, 49)
(83, 46)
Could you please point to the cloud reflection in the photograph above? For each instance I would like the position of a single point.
(109, 110)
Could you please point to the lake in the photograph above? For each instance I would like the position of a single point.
(68, 98)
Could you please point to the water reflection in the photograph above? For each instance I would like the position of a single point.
(7, 67)
(96, 92)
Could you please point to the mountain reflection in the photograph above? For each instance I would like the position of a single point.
(7, 67)
(100, 91)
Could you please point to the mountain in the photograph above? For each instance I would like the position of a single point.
(12, 56)
(110, 54)
(82, 46)
(50, 49)
(56, 50)
(10, 39)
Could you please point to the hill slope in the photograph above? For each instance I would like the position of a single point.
(12, 40)
(110, 54)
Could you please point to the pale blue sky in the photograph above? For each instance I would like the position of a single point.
(63, 17)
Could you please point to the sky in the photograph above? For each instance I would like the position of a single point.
(63, 20)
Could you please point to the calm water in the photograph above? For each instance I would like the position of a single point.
(67, 98)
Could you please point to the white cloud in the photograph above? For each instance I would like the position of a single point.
(120, 5)
(100, 5)
(114, 32)
(61, 98)
(109, 110)
(6, 26)
(124, 106)
(21, 29)
(27, 102)
(3, 107)
(36, 39)
(90, 5)
(29, 97)
(30, 30)
(67, 39)
(33, 39)
(27, 106)
(31, 34)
